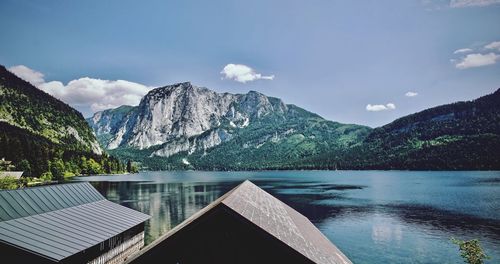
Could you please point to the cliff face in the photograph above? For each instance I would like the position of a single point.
(189, 125)
(186, 116)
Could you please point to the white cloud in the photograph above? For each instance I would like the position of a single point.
(380, 107)
(94, 93)
(391, 106)
(477, 60)
(462, 51)
(411, 94)
(242, 73)
(469, 3)
(493, 45)
(27, 74)
(98, 94)
(432, 5)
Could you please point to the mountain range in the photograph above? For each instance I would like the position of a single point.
(183, 126)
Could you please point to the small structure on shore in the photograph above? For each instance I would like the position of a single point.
(14, 174)
(67, 223)
(6, 170)
(246, 225)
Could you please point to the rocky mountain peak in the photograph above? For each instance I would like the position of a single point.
(182, 111)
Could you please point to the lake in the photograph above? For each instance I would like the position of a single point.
(372, 216)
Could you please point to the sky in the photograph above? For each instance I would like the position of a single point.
(363, 62)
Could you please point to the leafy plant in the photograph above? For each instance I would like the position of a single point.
(9, 183)
(5, 165)
(471, 251)
(46, 176)
(132, 167)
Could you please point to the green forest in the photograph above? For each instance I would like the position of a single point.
(45, 137)
(39, 157)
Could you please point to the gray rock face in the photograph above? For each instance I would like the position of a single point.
(182, 117)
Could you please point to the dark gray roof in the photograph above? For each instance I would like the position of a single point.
(68, 224)
(37, 200)
(283, 222)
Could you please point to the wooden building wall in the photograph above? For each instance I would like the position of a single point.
(18, 255)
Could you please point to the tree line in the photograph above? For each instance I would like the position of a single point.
(39, 157)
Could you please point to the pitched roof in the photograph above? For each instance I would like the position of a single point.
(283, 222)
(58, 221)
(42, 199)
(274, 217)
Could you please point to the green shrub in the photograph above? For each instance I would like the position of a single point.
(57, 169)
(9, 183)
(46, 176)
(470, 251)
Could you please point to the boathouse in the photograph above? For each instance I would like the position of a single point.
(67, 223)
(246, 225)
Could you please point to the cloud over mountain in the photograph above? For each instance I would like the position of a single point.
(242, 73)
(495, 45)
(411, 94)
(469, 3)
(380, 107)
(477, 60)
(96, 93)
(27, 74)
(465, 50)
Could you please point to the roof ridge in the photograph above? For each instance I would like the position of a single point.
(284, 223)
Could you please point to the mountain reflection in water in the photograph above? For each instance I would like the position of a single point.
(373, 217)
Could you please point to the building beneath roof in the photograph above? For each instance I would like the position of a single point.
(246, 225)
(67, 223)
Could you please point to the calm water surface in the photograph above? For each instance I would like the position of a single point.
(372, 216)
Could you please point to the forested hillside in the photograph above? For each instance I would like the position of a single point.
(462, 135)
(44, 136)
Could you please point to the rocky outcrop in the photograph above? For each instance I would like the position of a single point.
(182, 117)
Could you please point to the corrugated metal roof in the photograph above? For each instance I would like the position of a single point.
(84, 219)
(37, 200)
(283, 222)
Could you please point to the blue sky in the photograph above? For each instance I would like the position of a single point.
(335, 58)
